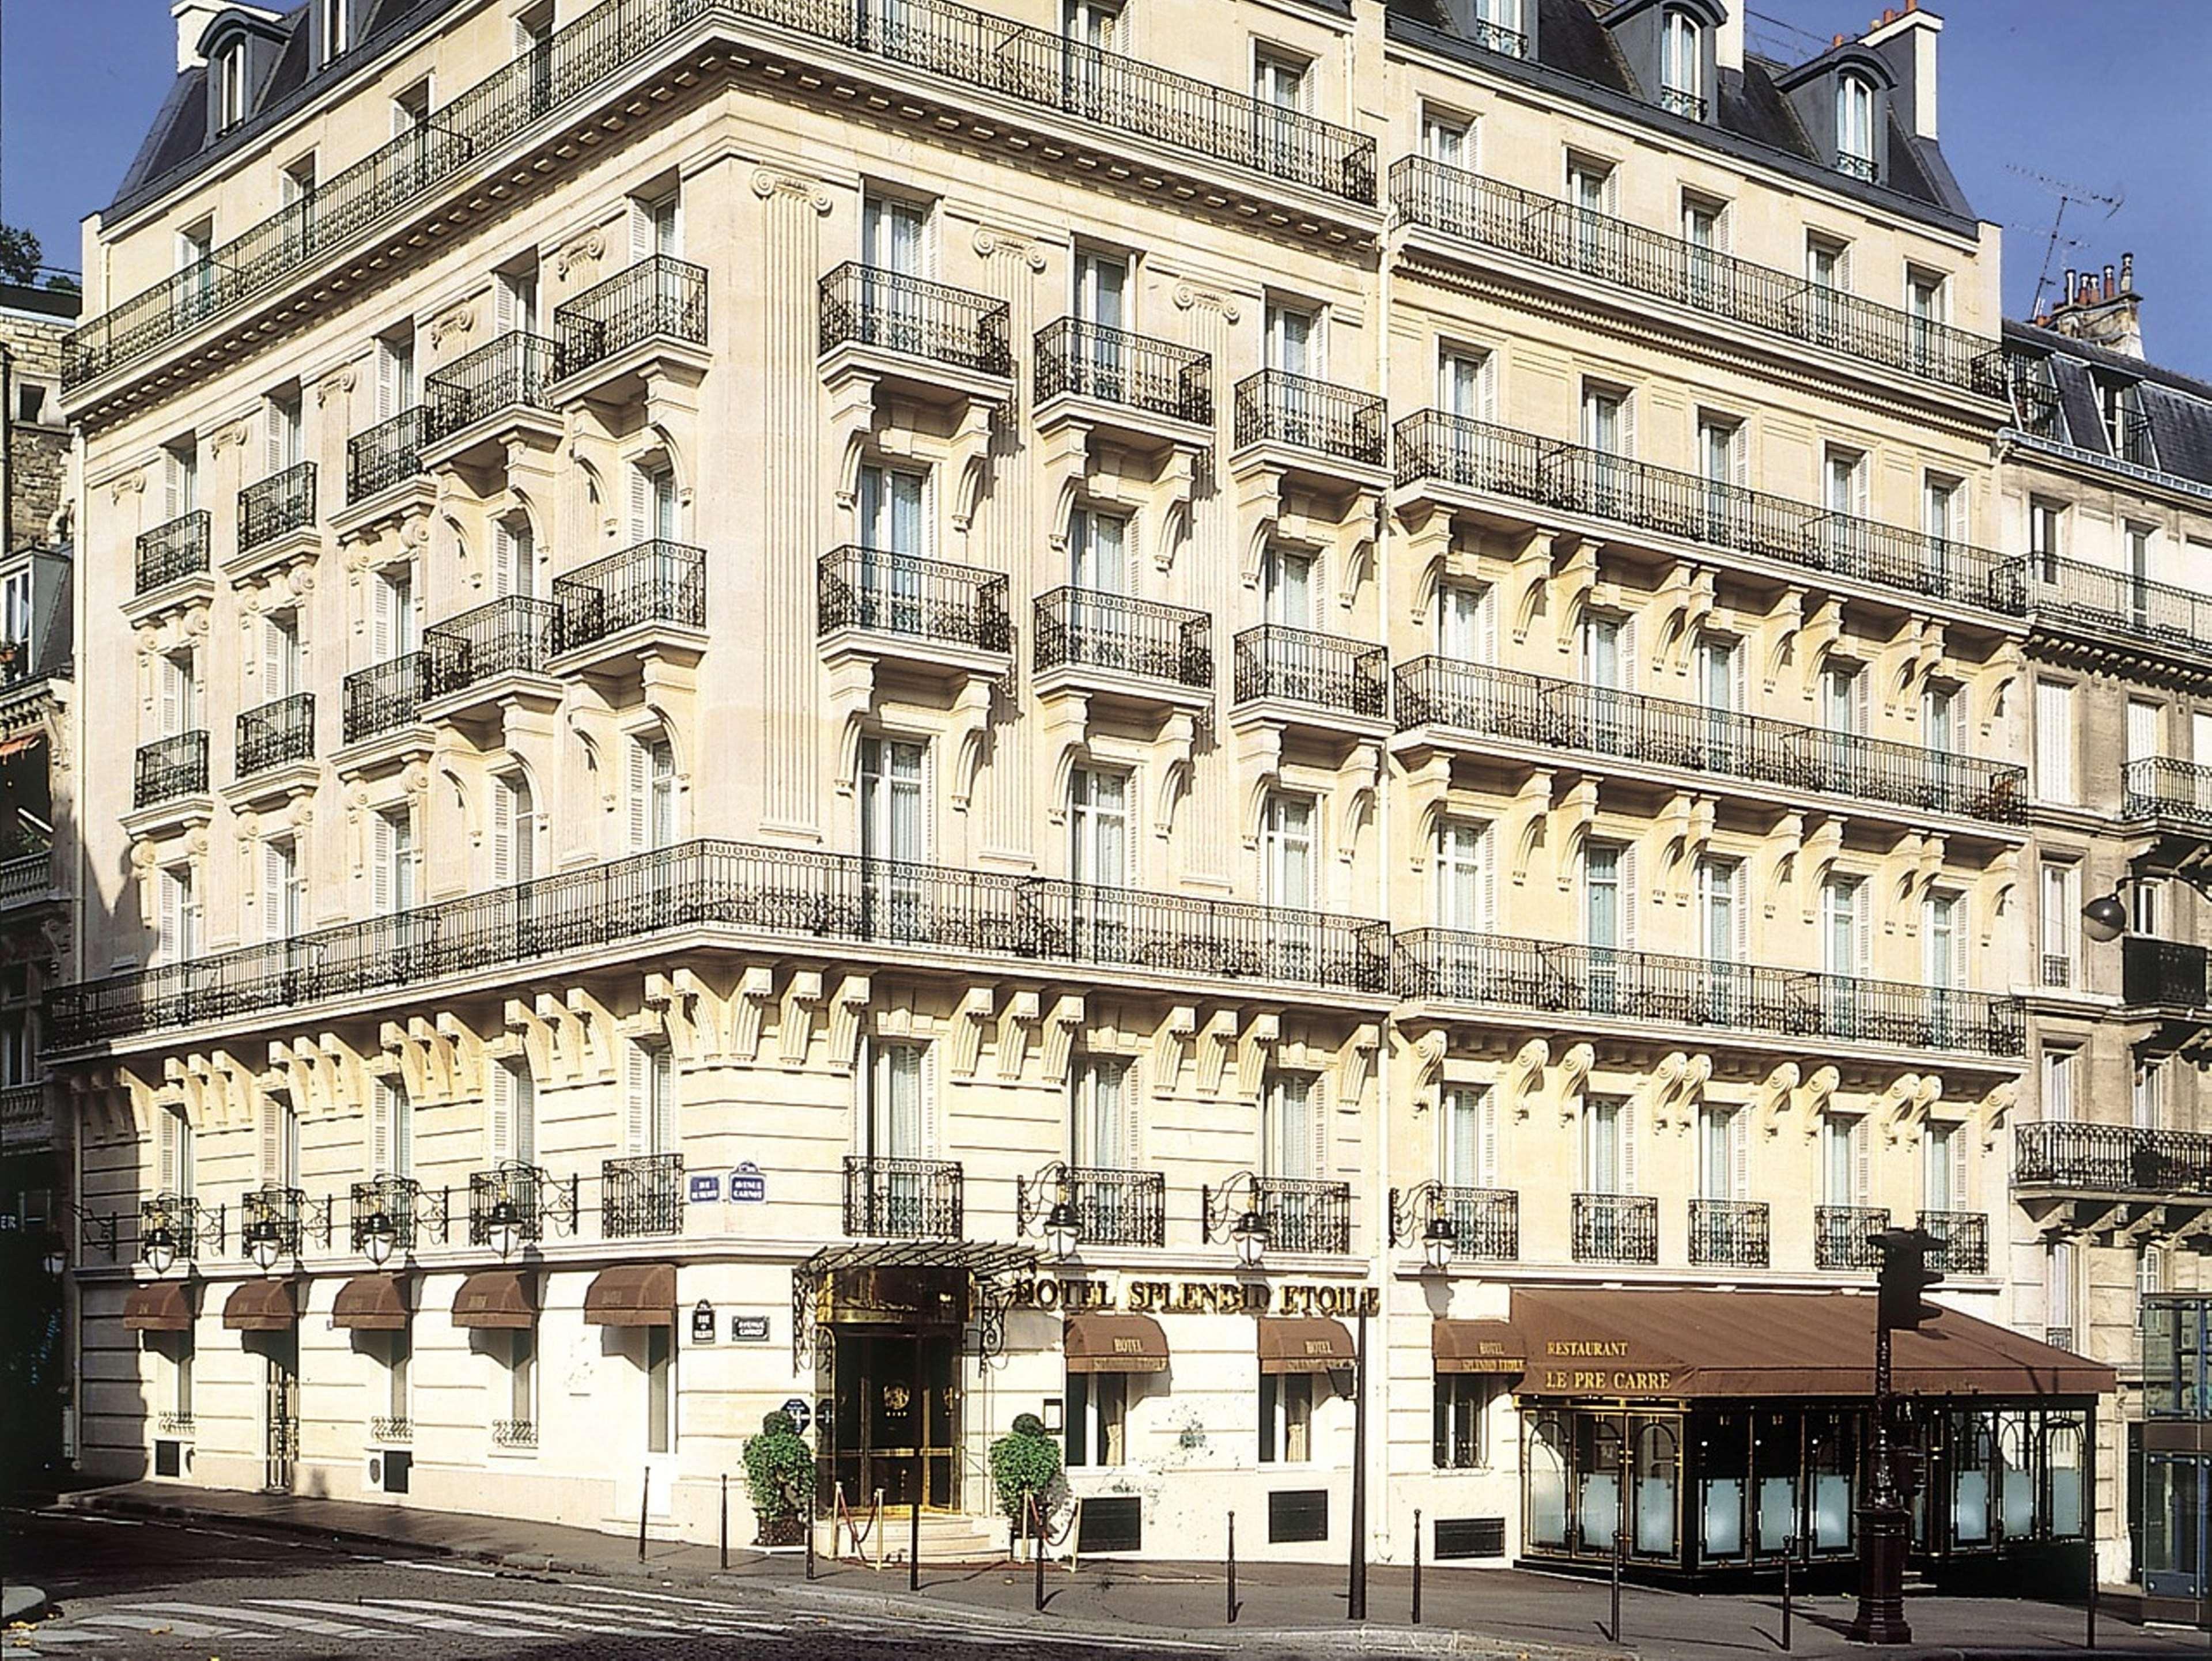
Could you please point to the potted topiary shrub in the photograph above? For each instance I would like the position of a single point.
(779, 1471)
(1024, 1462)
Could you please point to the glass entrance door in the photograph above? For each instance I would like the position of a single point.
(898, 1417)
(281, 1408)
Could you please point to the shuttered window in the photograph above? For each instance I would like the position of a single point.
(2055, 741)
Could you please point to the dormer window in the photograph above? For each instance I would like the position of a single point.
(1681, 66)
(335, 26)
(2127, 429)
(1855, 127)
(1499, 27)
(230, 86)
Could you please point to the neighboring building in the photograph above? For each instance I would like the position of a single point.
(35, 458)
(780, 667)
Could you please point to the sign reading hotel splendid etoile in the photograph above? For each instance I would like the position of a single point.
(1142, 1297)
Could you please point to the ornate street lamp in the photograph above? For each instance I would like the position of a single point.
(1439, 1234)
(379, 1235)
(1233, 1212)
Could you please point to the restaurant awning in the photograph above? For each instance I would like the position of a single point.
(1114, 1343)
(632, 1294)
(1478, 1347)
(164, 1306)
(1771, 1345)
(1303, 1344)
(495, 1297)
(260, 1306)
(372, 1303)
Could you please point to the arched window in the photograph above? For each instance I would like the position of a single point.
(1855, 126)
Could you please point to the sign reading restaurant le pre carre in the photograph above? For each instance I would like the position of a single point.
(1140, 1297)
(1594, 1378)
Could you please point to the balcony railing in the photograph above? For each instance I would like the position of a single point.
(903, 1198)
(24, 1121)
(2059, 1338)
(2179, 619)
(1504, 461)
(1570, 715)
(864, 305)
(1677, 101)
(1486, 1222)
(399, 1200)
(1113, 366)
(2164, 975)
(1447, 966)
(271, 1215)
(2057, 970)
(387, 453)
(1559, 234)
(660, 297)
(276, 732)
(1119, 1207)
(167, 551)
(514, 1432)
(169, 768)
(1302, 667)
(654, 582)
(2160, 788)
(509, 373)
(642, 1196)
(28, 877)
(792, 894)
(515, 635)
(1729, 1233)
(277, 506)
(1277, 407)
(866, 588)
(2111, 1159)
(1842, 1236)
(385, 697)
(1098, 630)
(1615, 1228)
(508, 1195)
(386, 1429)
(1304, 1215)
(1964, 1241)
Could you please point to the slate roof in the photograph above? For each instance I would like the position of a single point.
(2179, 407)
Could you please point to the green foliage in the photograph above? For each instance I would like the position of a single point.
(1026, 1462)
(1028, 1424)
(777, 1423)
(19, 255)
(779, 1468)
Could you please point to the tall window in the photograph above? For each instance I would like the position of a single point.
(1097, 1419)
(230, 86)
(1723, 1151)
(514, 557)
(1928, 303)
(1287, 851)
(895, 1129)
(1459, 1420)
(280, 655)
(180, 693)
(179, 1171)
(1855, 126)
(895, 235)
(1100, 1134)
(392, 862)
(652, 792)
(1281, 81)
(1098, 827)
(893, 821)
(336, 32)
(396, 388)
(281, 889)
(1098, 553)
(399, 1363)
(892, 519)
(1943, 1167)
(1843, 1154)
(2139, 608)
(522, 1386)
(1448, 138)
(1467, 623)
(2057, 1081)
(177, 918)
(1843, 926)
(2146, 1101)
(1287, 1128)
(393, 1147)
(2047, 522)
(396, 629)
(1843, 698)
(286, 433)
(512, 1129)
(1469, 1124)
(2059, 1294)
(1463, 877)
(514, 830)
(2060, 902)
(1607, 1146)
(1287, 1401)
(654, 504)
(1465, 385)
(1286, 585)
(1681, 66)
(652, 1105)
(2055, 741)
(1943, 940)
(1293, 338)
(659, 1388)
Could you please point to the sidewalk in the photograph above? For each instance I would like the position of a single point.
(1283, 1607)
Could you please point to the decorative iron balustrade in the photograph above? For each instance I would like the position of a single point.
(2164, 975)
(1304, 1214)
(2058, 969)
(660, 297)
(271, 1214)
(1842, 1236)
(169, 552)
(1486, 1222)
(903, 1198)
(1572, 715)
(654, 582)
(1038, 67)
(174, 1424)
(1555, 233)
(386, 696)
(388, 453)
(1615, 1228)
(1860, 167)
(1276, 407)
(1450, 965)
(2066, 591)
(794, 893)
(276, 732)
(178, 1219)
(1729, 1233)
(866, 305)
(1962, 1241)
(643, 1195)
(2111, 1159)
(276, 507)
(866, 588)
(514, 1432)
(1677, 101)
(169, 768)
(2159, 787)
(509, 1196)
(29, 877)
(514, 635)
(384, 1428)
(2059, 1338)
(1302, 667)
(1098, 630)
(509, 373)
(1118, 1208)
(1113, 366)
(397, 1200)
(1505, 461)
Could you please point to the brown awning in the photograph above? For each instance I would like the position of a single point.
(372, 1303)
(632, 1294)
(1478, 1347)
(1303, 1344)
(164, 1306)
(497, 1298)
(260, 1306)
(1114, 1343)
(1765, 1345)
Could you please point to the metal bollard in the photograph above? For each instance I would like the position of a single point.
(1619, 1545)
(1037, 1548)
(913, 1537)
(1417, 1567)
(1232, 1569)
(1789, 1557)
(811, 1506)
(644, 1497)
(725, 1519)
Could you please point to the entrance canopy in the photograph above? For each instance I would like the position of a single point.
(1478, 1347)
(164, 1306)
(1303, 1344)
(260, 1306)
(372, 1303)
(1675, 1345)
(632, 1294)
(497, 1298)
(1114, 1343)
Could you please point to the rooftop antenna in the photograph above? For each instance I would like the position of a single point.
(2068, 194)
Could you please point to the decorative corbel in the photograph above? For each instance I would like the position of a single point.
(1780, 630)
(1215, 1042)
(847, 1009)
(964, 1042)
(1428, 1052)
(1172, 1045)
(1994, 1111)
(744, 1015)
(463, 1051)
(1818, 637)
(595, 1030)
(1260, 762)
(1770, 1100)
(1568, 589)
(526, 1022)
(1427, 539)
(1659, 1085)
(1352, 569)
(1356, 780)
(1685, 600)
(1526, 823)
(1530, 583)
(1061, 1026)
(676, 1009)
(968, 730)
(1178, 734)
(802, 1000)
(437, 1063)
(1523, 1081)
(1690, 1092)
(1813, 1099)
(1574, 1073)
(1572, 816)
(1895, 1105)
(1818, 849)
(346, 1080)
(1254, 1052)
(1017, 1022)
(970, 462)
(1355, 1062)
(2006, 665)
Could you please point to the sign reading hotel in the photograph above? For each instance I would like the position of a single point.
(1142, 1297)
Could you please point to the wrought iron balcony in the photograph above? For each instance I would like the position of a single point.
(1451, 966)
(274, 1215)
(659, 298)
(1113, 366)
(1299, 666)
(179, 1222)
(1615, 1228)
(514, 1432)
(904, 594)
(174, 1424)
(2111, 1159)
(2164, 975)
(385, 697)
(1118, 1208)
(388, 453)
(1860, 167)
(1963, 1239)
(643, 1195)
(1303, 1214)
(890, 311)
(1093, 629)
(654, 582)
(171, 768)
(2159, 788)
(2059, 1338)
(1570, 715)
(171, 551)
(515, 635)
(511, 1197)
(1842, 1236)
(509, 373)
(384, 1428)
(1503, 461)
(902, 1199)
(1676, 100)
(1729, 1233)
(277, 506)
(397, 1200)
(276, 733)
(2070, 593)
(1486, 1222)
(1276, 407)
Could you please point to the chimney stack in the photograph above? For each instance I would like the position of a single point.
(2102, 309)
(1905, 41)
(193, 18)
(1728, 40)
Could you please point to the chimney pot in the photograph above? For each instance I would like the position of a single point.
(1912, 5)
(2073, 284)
(1888, 16)
(2112, 279)
(2128, 272)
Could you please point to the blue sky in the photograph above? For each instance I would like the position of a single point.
(2103, 93)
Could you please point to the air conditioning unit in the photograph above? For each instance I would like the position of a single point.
(387, 1470)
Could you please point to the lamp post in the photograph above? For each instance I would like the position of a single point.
(1885, 1519)
(1244, 1225)
(504, 1227)
(160, 1251)
(1439, 1234)
(1060, 1223)
(378, 1237)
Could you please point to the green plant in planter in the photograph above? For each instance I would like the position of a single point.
(779, 1471)
(1026, 1462)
